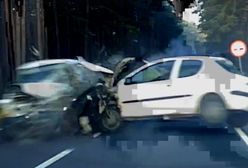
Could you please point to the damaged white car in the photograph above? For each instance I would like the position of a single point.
(59, 94)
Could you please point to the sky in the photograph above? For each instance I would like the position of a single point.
(191, 17)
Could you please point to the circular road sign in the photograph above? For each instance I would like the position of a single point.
(238, 48)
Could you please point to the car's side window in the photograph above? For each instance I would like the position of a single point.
(160, 71)
(189, 68)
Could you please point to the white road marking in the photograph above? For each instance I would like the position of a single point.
(242, 134)
(54, 158)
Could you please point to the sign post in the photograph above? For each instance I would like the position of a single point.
(238, 49)
(240, 64)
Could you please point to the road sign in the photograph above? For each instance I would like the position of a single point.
(238, 48)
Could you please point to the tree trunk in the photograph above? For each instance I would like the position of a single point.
(56, 27)
(86, 31)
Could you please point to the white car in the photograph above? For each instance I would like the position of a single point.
(184, 86)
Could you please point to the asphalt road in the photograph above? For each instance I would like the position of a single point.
(138, 144)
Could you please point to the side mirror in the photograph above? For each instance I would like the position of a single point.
(128, 80)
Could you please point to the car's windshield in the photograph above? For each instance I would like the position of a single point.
(124, 68)
(38, 74)
(228, 66)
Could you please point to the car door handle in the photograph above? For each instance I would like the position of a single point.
(168, 85)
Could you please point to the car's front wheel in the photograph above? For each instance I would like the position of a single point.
(110, 119)
(103, 115)
(213, 110)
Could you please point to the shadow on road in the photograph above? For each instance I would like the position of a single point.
(222, 144)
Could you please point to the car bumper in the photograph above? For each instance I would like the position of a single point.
(8, 122)
(32, 120)
(13, 127)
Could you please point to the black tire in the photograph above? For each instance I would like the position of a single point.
(105, 119)
(110, 119)
(213, 110)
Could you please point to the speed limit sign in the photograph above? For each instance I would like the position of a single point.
(238, 49)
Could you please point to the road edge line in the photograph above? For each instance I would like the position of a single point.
(242, 134)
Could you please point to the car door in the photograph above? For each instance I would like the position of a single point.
(148, 92)
(189, 84)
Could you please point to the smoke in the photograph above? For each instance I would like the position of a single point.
(176, 47)
(113, 60)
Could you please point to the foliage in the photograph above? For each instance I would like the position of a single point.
(194, 37)
(123, 25)
(223, 22)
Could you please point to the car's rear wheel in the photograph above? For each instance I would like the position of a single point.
(213, 110)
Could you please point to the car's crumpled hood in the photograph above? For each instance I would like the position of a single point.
(94, 67)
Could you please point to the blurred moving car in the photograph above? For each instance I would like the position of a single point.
(63, 94)
(184, 86)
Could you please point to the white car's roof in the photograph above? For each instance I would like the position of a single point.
(86, 64)
(189, 57)
(202, 58)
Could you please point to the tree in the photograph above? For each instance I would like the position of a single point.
(194, 37)
(110, 26)
(223, 22)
